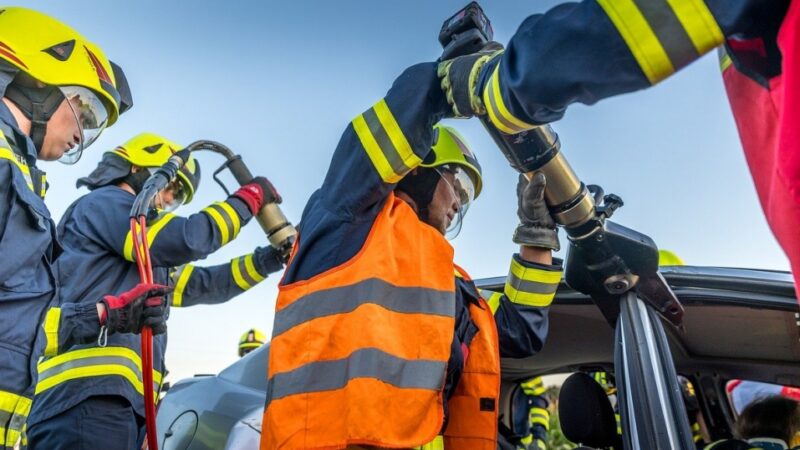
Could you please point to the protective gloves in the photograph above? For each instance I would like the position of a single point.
(537, 227)
(257, 193)
(268, 260)
(459, 80)
(130, 311)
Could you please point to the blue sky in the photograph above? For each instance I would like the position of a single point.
(278, 82)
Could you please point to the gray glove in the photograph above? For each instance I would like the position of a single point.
(459, 80)
(536, 226)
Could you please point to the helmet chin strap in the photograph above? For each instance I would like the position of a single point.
(37, 103)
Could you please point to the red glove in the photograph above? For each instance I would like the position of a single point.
(257, 193)
(141, 306)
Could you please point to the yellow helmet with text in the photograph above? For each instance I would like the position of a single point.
(150, 150)
(53, 54)
(451, 148)
(452, 158)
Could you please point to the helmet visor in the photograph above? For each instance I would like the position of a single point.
(90, 114)
(172, 196)
(463, 189)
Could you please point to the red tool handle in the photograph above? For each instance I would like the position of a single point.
(141, 250)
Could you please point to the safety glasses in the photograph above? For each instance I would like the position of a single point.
(463, 189)
(172, 196)
(91, 116)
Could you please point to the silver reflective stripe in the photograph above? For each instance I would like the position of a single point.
(409, 300)
(670, 32)
(506, 124)
(5, 418)
(17, 422)
(226, 218)
(533, 287)
(243, 271)
(93, 361)
(364, 363)
(385, 143)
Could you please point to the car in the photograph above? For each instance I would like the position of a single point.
(737, 324)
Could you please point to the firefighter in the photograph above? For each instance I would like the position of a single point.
(59, 93)
(90, 395)
(251, 340)
(399, 347)
(587, 51)
(538, 414)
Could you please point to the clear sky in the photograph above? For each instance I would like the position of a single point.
(279, 81)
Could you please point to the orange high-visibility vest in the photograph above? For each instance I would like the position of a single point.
(359, 353)
(473, 408)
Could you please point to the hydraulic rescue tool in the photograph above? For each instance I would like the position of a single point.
(280, 233)
(605, 259)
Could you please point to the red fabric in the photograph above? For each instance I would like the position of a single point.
(732, 385)
(791, 392)
(253, 196)
(768, 120)
(140, 290)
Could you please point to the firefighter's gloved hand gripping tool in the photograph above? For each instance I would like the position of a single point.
(280, 232)
(605, 259)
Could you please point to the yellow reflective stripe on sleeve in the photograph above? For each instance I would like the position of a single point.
(14, 410)
(94, 362)
(527, 440)
(619, 423)
(251, 269)
(18, 161)
(181, 279)
(539, 416)
(436, 444)
(152, 231)
(492, 298)
(499, 114)
(639, 37)
(664, 35)
(697, 435)
(531, 286)
(222, 226)
(541, 445)
(52, 320)
(725, 60)
(244, 272)
(234, 218)
(385, 144)
(699, 24)
(534, 386)
(226, 219)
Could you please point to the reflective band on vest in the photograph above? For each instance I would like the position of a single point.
(94, 362)
(359, 353)
(370, 291)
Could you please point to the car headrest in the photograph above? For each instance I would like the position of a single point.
(585, 412)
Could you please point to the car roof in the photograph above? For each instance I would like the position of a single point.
(739, 323)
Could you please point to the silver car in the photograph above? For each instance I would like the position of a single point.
(738, 324)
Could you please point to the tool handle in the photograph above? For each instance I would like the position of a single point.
(279, 230)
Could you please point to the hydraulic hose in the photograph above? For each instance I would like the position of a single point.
(142, 255)
(280, 232)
